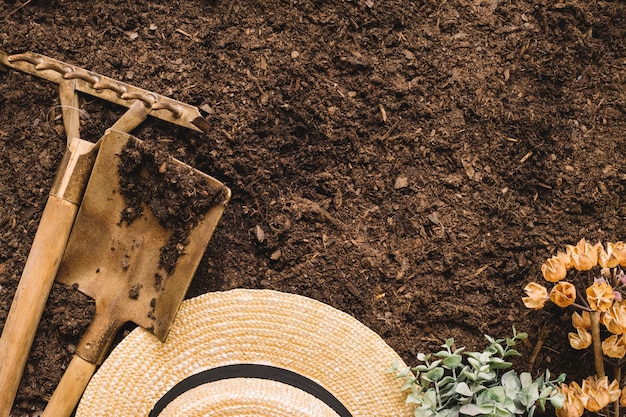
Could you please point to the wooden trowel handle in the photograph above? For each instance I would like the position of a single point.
(70, 388)
(31, 295)
(90, 351)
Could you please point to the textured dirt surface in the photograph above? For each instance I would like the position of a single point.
(409, 163)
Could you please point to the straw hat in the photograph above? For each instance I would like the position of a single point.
(250, 353)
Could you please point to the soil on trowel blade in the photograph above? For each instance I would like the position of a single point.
(177, 195)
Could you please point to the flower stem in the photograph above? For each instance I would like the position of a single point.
(597, 346)
(617, 374)
(582, 307)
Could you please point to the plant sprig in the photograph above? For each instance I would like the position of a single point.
(452, 382)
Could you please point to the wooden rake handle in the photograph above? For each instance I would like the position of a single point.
(45, 253)
(31, 295)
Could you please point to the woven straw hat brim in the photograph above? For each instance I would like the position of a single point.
(222, 344)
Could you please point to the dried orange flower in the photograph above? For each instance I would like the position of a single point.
(622, 397)
(584, 256)
(581, 321)
(573, 406)
(620, 252)
(537, 295)
(597, 393)
(553, 269)
(607, 258)
(563, 294)
(580, 340)
(614, 319)
(614, 346)
(565, 259)
(600, 296)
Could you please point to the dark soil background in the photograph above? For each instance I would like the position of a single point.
(411, 163)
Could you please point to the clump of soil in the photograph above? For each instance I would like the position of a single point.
(175, 193)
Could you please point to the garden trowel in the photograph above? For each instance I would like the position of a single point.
(129, 257)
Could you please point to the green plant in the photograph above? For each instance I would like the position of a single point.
(452, 382)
